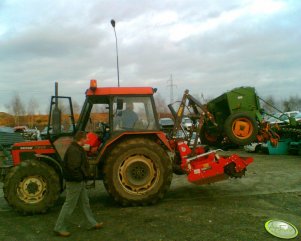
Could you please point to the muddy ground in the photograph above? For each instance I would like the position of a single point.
(235, 209)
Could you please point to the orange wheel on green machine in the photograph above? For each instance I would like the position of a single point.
(241, 128)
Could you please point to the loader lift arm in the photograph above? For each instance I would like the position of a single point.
(198, 113)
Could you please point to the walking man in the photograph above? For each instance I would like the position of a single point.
(75, 173)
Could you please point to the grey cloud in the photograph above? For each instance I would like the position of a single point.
(77, 44)
(50, 42)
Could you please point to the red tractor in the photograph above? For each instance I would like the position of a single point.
(127, 151)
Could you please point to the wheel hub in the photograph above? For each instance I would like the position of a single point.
(32, 189)
(138, 174)
(242, 128)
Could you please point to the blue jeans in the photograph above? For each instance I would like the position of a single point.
(76, 193)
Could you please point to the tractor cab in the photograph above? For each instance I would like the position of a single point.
(107, 113)
(110, 111)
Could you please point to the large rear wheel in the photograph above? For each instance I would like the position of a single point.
(31, 187)
(241, 128)
(137, 172)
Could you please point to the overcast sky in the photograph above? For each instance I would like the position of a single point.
(209, 46)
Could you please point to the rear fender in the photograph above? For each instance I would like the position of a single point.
(157, 135)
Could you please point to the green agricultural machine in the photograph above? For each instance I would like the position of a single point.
(237, 115)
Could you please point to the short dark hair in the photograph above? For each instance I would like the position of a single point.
(80, 135)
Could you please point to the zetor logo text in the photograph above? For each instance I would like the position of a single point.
(26, 147)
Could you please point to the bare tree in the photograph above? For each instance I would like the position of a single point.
(32, 109)
(160, 104)
(16, 108)
(76, 107)
(269, 104)
(33, 106)
(292, 103)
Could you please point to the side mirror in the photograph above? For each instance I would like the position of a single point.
(119, 104)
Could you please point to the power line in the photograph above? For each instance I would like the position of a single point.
(171, 85)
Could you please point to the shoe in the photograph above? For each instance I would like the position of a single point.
(98, 225)
(63, 233)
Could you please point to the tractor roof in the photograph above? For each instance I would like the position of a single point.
(105, 91)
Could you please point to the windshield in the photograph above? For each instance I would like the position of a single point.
(133, 113)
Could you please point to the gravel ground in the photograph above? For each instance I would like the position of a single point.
(234, 209)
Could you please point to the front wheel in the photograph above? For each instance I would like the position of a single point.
(241, 128)
(31, 187)
(137, 172)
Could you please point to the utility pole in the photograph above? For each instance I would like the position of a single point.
(171, 85)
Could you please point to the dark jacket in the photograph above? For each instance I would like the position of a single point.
(75, 166)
